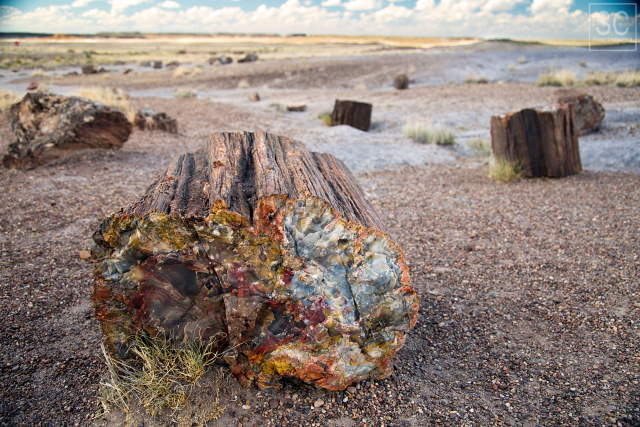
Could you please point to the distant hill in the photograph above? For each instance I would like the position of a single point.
(23, 35)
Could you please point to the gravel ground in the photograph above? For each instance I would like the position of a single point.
(530, 294)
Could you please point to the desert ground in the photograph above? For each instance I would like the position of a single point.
(530, 290)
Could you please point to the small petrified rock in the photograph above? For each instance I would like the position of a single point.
(255, 97)
(48, 126)
(296, 107)
(147, 119)
(249, 57)
(589, 112)
(224, 60)
(33, 86)
(89, 69)
(270, 248)
(127, 71)
(156, 64)
(172, 64)
(145, 63)
(401, 81)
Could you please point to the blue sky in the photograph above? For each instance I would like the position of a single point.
(523, 19)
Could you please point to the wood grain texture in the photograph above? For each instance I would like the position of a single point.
(237, 169)
(543, 143)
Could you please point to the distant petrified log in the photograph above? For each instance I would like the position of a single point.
(156, 64)
(147, 119)
(589, 112)
(296, 108)
(401, 81)
(352, 113)
(270, 248)
(249, 57)
(224, 60)
(89, 69)
(47, 126)
(254, 97)
(542, 143)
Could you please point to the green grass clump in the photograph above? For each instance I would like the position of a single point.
(557, 78)
(159, 376)
(326, 118)
(502, 170)
(427, 134)
(480, 147)
(476, 80)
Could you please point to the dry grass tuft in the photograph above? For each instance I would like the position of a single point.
(185, 93)
(7, 99)
(480, 147)
(502, 170)
(161, 375)
(558, 78)
(607, 78)
(186, 72)
(115, 98)
(628, 79)
(425, 133)
(476, 80)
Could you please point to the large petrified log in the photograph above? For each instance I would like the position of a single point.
(542, 143)
(352, 113)
(589, 112)
(274, 247)
(47, 126)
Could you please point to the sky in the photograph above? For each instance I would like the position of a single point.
(518, 19)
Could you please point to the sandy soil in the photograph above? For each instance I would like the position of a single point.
(530, 294)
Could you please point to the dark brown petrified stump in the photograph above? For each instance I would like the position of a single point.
(274, 248)
(48, 126)
(352, 113)
(542, 143)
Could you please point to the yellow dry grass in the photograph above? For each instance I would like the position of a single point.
(7, 99)
(115, 98)
(426, 133)
(160, 376)
(561, 77)
(502, 170)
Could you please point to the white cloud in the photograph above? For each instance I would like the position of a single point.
(82, 3)
(550, 6)
(122, 5)
(169, 4)
(362, 4)
(425, 5)
(500, 5)
(479, 18)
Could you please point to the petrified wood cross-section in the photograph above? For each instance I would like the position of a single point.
(274, 248)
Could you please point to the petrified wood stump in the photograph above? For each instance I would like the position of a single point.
(543, 143)
(48, 126)
(276, 247)
(352, 113)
